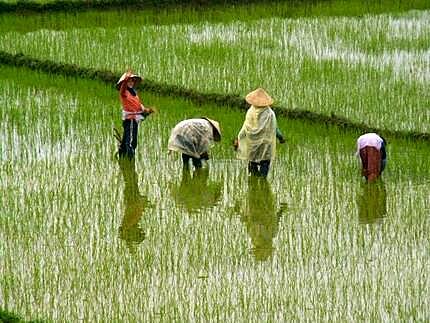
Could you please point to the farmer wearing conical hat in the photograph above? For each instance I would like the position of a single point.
(133, 112)
(193, 138)
(256, 141)
(371, 149)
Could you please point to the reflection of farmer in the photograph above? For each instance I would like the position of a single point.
(134, 205)
(260, 217)
(371, 149)
(133, 111)
(195, 191)
(372, 202)
(193, 138)
(256, 141)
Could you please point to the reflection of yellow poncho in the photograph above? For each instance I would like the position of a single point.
(257, 138)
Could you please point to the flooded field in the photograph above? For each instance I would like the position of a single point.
(87, 238)
(372, 69)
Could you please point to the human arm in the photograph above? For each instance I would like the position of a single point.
(383, 151)
(280, 136)
(123, 86)
(146, 111)
(235, 143)
(240, 136)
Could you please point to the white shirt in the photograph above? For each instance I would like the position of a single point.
(369, 139)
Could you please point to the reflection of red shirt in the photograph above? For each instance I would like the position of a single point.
(130, 104)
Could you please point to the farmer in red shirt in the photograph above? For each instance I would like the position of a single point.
(133, 112)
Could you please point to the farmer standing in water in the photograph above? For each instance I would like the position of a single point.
(371, 149)
(133, 112)
(256, 141)
(193, 139)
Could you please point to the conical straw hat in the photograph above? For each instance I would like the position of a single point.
(259, 98)
(122, 78)
(214, 124)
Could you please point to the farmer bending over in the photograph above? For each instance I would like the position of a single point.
(371, 149)
(133, 112)
(193, 138)
(256, 141)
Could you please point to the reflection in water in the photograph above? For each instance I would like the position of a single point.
(372, 202)
(134, 205)
(260, 217)
(195, 192)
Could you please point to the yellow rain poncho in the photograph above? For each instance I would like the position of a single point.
(257, 138)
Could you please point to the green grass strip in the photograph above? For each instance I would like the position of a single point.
(65, 5)
(303, 7)
(47, 66)
(9, 317)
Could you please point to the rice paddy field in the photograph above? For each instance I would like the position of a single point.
(84, 237)
(373, 68)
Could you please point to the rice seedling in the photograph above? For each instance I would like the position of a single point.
(72, 248)
(189, 13)
(371, 69)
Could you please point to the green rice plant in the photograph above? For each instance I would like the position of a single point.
(318, 252)
(211, 10)
(370, 69)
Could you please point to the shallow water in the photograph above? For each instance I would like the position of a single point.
(84, 237)
(370, 69)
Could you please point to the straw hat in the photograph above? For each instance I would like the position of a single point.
(132, 76)
(259, 98)
(215, 125)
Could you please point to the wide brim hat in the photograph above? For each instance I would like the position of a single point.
(259, 98)
(215, 125)
(123, 76)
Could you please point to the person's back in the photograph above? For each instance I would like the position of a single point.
(256, 141)
(370, 139)
(193, 139)
(258, 135)
(371, 149)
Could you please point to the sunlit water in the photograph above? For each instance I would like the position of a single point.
(86, 237)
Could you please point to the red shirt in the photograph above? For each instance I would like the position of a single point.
(130, 104)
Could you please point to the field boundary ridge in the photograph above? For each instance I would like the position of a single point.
(200, 98)
(9, 317)
(311, 6)
(84, 5)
